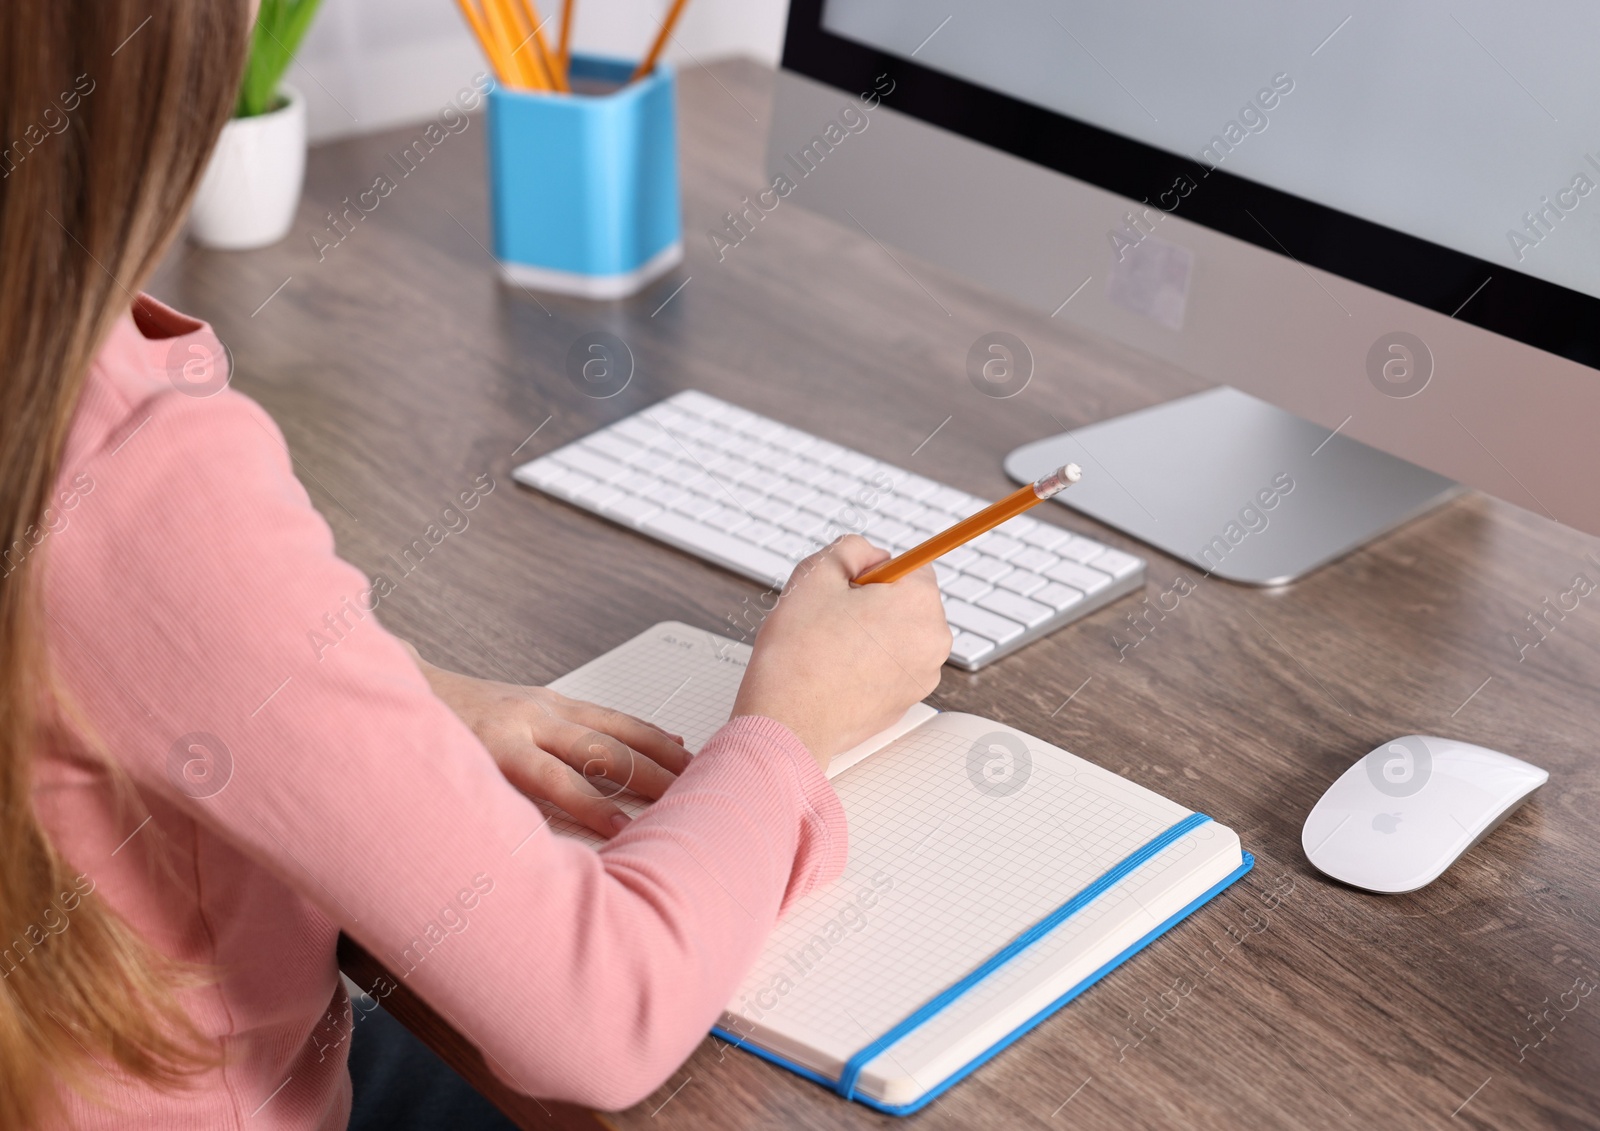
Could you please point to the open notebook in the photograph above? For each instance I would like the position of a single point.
(992, 878)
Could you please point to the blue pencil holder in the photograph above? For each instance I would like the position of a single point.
(583, 188)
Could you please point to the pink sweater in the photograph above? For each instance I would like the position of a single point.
(292, 795)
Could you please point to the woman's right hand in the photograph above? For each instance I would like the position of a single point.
(837, 664)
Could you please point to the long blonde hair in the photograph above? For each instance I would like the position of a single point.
(108, 112)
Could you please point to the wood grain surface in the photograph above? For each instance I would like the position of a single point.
(400, 370)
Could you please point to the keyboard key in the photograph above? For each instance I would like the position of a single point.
(734, 440)
(793, 441)
(767, 482)
(959, 557)
(887, 530)
(943, 575)
(679, 471)
(760, 532)
(970, 647)
(721, 464)
(948, 500)
(800, 522)
(763, 428)
(861, 522)
(896, 507)
(838, 484)
(715, 434)
(658, 441)
(916, 487)
(791, 546)
(966, 588)
(727, 519)
(607, 445)
(824, 505)
(1017, 527)
(770, 510)
(773, 459)
(854, 463)
(1059, 597)
(676, 429)
(725, 548)
(730, 414)
(997, 545)
(631, 509)
(1035, 559)
(595, 466)
(1081, 550)
(883, 476)
(804, 471)
(990, 569)
(576, 483)
(635, 428)
(1046, 537)
(791, 492)
(747, 474)
(1008, 604)
(696, 506)
(1079, 576)
(973, 619)
(542, 473)
(593, 494)
(1022, 582)
(1116, 563)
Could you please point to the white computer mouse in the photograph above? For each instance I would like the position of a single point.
(1395, 820)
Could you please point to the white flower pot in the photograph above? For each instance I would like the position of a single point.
(251, 188)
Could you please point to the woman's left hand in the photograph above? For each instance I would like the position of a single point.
(556, 749)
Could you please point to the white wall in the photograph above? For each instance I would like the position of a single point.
(370, 64)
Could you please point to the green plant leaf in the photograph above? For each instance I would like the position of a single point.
(281, 25)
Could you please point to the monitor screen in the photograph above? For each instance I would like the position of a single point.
(1475, 127)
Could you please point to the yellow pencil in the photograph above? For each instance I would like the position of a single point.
(564, 46)
(970, 527)
(546, 61)
(522, 45)
(502, 23)
(502, 68)
(648, 63)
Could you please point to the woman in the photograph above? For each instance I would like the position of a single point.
(193, 804)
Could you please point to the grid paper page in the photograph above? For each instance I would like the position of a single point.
(678, 677)
(944, 870)
(1056, 963)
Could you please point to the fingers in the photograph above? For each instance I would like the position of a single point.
(664, 749)
(540, 775)
(608, 763)
(846, 558)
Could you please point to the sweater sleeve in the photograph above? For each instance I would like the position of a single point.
(198, 592)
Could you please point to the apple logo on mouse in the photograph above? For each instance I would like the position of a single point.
(1386, 822)
(1401, 814)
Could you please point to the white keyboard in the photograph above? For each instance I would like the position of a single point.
(756, 496)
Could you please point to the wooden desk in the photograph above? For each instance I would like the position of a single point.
(400, 370)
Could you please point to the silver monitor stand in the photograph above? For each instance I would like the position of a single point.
(1243, 490)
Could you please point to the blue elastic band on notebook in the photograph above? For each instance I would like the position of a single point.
(846, 1086)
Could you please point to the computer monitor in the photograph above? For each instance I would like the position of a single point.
(1380, 218)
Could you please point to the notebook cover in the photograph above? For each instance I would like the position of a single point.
(971, 1066)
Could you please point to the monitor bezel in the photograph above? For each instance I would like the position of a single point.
(1522, 307)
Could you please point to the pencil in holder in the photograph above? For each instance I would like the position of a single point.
(583, 187)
